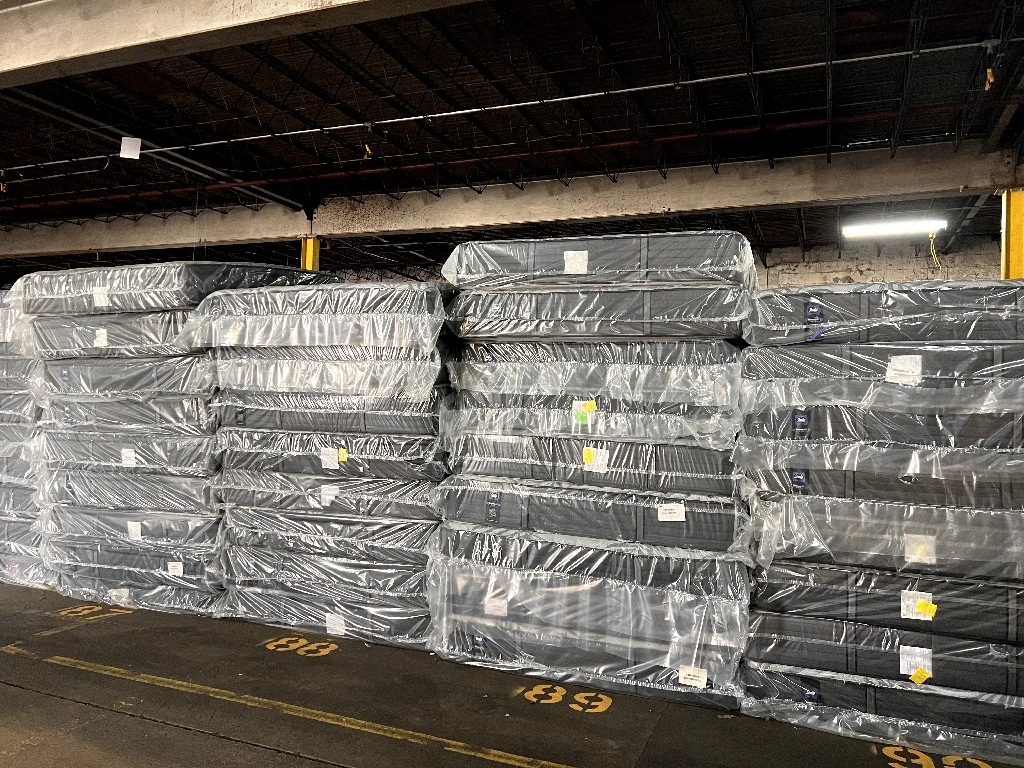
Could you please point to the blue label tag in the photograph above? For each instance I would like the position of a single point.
(813, 313)
(801, 420)
(812, 695)
(798, 477)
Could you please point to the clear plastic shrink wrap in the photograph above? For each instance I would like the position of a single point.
(848, 647)
(398, 315)
(136, 378)
(584, 313)
(596, 462)
(924, 311)
(894, 711)
(968, 395)
(130, 453)
(970, 609)
(333, 455)
(686, 392)
(659, 622)
(968, 477)
(352, 371)
(128, 335)
(681, 257)
(709, 523)
(174, 415)
(145, 287)
(297, 411)
(917, 538)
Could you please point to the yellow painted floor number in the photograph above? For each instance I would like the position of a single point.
(301, 646)
(552, 694)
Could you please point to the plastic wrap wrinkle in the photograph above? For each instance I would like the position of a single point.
(120, 335)
(348, 314)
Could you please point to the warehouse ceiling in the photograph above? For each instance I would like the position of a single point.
(499, 92)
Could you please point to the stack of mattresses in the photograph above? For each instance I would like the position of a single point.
(888, 494)
(328, 403)
(20, 541)
(125, 453)
(593, 531)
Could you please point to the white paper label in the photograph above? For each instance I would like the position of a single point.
(595, 459)
(101, 297)
(335, 624)
(919, 549)
(672, 513)
(176, 569)
(119, 596)
(6, 325)
(911, 658)
(134, 530)
(129, 458)
(576, 262)
(328, 493)
(496, 606)
(695, 676)
(908, 604)
(905, 370)
(101, 338)
(329, 458)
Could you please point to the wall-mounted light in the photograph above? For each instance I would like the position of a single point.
(895, 228)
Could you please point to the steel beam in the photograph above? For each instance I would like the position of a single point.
(45, 40)
(853, 177)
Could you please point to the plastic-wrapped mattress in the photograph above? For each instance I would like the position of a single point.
(377, 617)
(158, 415)
(16, 374)
(901, 712)
(680, 257)
(373, 540)
(403, 315)
(297, 411)
(709, 523)
(130, 452)
(145, 287)
(133, 564)
(595, 462)
(928, 311)
(332, 455)
(651, 621)
(975, 610)
(644, 391)
(887, 653)
(136, 378)
(148, 526)
(969, 395)
(586, 313)
(146, 334)
(922, 475)
(383, 372)
(123, 490)
(363, 496)
(916, 538)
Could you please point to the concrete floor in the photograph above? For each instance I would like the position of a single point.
(87, 686)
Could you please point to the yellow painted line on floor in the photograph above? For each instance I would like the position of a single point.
(366, 726)
(83, 622)
(15, 650)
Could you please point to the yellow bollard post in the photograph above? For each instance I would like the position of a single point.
(311, 253)
(1013, 234)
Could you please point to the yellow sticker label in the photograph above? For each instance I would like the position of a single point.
(588, 455)
(343, 454)
(928, 609)
(920, 675)
(590, 406)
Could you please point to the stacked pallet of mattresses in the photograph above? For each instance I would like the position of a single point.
(328, 402)
(883, 436)
(20, 541)
(125, 451)
(587, 531)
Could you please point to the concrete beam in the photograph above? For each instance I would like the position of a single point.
(53, 38)
(923, 171)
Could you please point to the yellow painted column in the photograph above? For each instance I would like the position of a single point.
(311, 253)
(1013, 234)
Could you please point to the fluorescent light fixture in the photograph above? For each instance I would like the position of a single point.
(889, 228)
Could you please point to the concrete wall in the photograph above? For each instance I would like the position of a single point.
(977, 260)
